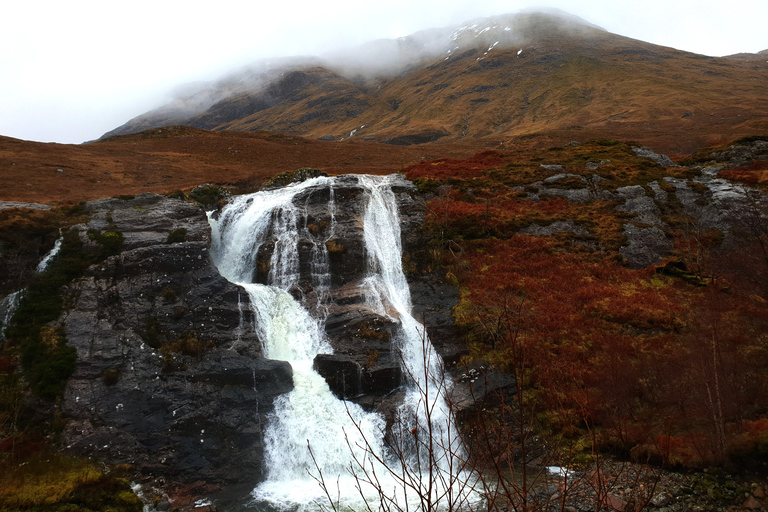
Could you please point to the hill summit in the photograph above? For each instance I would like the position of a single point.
(498, 78)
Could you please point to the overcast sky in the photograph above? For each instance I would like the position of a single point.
(71, 70)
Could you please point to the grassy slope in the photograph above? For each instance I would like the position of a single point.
(165, 160)
(621, 354)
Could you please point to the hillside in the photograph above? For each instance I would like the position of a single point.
(493, 78)
(168, 159)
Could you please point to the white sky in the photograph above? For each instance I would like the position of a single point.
(71, 70)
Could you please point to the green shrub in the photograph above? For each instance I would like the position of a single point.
(153, 332)
(111, 242)
(45, 357)
(426, 185)
(209, 196)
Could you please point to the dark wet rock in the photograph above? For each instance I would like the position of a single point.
(170, 377)
(478, 389)
(298, 176)
(343, 375)
(433, 302)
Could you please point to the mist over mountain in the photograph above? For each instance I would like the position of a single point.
(497, 77)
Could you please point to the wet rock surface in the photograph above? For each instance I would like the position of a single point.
(170, 376)
(168, 379)
(364, 367)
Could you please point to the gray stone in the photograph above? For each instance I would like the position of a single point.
(662, 160)
(581, 195)
(646, 246)
(592, 166)
(660, 195)
(558, 226)
(17, 204)
(742, 154)
(641, 206)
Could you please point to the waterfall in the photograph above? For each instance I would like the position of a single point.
(425, 407)
(7, 308)
(43, 265)
(10, 303)
(341, 434)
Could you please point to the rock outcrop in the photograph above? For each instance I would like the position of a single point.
(364, 367)
(167, 379)
(170, 375)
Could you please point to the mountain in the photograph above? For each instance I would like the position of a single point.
(500, 77)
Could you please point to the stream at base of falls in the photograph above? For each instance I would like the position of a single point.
(311, 432)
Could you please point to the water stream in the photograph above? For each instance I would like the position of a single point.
(342, 436)
(10, 303)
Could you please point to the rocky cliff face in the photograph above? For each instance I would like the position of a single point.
(170, 375)
(166, 378)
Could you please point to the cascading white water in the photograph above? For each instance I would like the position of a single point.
(338, 432)
(43, 265)
(425, 407)
(310, 412)
(7, 308)
(11, 302)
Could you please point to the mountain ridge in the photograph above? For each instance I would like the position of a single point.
(501, 77)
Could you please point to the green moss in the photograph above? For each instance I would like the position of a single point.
(111, 241)
(177, 235)
(210, 196)
(426, 185)
(176, 194)
(54, 482)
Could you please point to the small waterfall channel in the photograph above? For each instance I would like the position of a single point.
(10, 303)
(344, 438)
